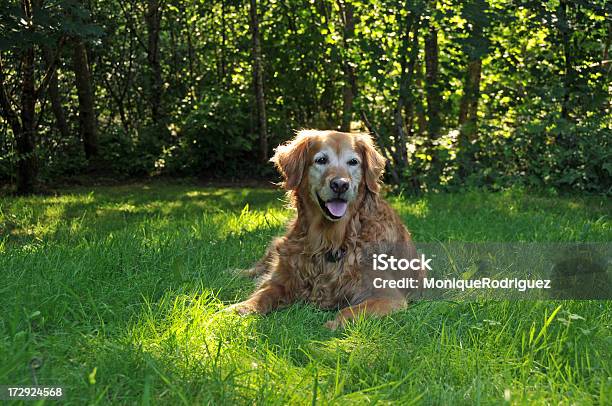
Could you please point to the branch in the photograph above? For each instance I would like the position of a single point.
(390, 169)
(41, 114)
(50, 69)
(5, 104)
(369, 126)
(132, 26)
(342, 13)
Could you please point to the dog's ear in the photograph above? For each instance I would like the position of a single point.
(290, 160)
(373, 161)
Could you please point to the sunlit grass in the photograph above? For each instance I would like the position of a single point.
(118, 291)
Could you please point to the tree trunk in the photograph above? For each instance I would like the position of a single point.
(431, 81)
(468, 109)
(25, 136)
(153, 16)
(432, 89)
(326, 103)
(54, 96)
(225, 79)
(349, 89)
(85, 92)
(468, 117)
(569, 74)
(27, 167)
(192, 84)
(475, 75)
(404, 101)
(258, 83)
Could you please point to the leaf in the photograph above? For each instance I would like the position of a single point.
(92, 376)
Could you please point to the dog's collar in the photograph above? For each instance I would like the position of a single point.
(335, 256)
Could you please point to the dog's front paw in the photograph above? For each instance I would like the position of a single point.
(245, 273)
(254, 272)
(242, 308)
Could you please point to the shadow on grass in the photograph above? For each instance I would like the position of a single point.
(37, 219)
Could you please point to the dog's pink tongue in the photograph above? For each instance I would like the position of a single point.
(336, 207)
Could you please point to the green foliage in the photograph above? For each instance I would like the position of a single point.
(50, 22)
(62, 159)
(214, 138)
(126, 157)
(542, 115)
(538, 156)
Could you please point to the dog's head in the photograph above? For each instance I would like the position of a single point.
(332, 168)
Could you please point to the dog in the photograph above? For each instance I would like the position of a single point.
(333, 180)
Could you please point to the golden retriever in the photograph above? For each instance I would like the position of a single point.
(325, 257)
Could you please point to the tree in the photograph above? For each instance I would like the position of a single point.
(23, 124)
(432, 84)
(408, 55)
(87, 114)
(468, 110)
(32, 26)
(258, 83)
(22, 116)
(349, 88)
(153, 16)
(54, 94)
(432, 87)
(563, 24)
(476, 46)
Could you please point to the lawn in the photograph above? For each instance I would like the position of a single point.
(117, 291)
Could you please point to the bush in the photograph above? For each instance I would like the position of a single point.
(214, 138)
(550, 154)
(128, 156)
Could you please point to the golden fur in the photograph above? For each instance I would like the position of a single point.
(296, 266)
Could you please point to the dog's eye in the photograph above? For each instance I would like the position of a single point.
(321, 160)
(353, 162)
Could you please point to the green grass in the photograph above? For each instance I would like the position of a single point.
(118, 292)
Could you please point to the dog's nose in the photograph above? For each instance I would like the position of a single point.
(339, 185)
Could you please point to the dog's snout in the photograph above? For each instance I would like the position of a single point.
(339, 185)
